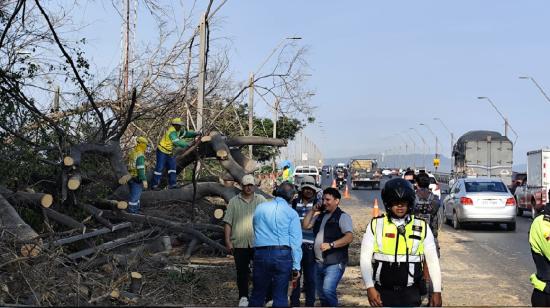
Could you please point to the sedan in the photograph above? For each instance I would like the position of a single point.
(477, 200)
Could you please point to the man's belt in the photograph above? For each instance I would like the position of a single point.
(396, 288)
(278, 247)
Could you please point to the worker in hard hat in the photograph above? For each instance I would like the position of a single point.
(136, 166)
(173, 137)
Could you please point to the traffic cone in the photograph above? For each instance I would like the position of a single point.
(375, 210)
(346, 193)
(333, 184)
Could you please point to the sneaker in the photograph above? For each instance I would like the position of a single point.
(269, 304)
(243, 302)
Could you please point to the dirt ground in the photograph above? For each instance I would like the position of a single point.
(464, 283)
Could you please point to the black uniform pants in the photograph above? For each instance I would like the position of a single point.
(401, 297)
(540, 299)
(243, 257)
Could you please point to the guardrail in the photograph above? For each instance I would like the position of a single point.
(442, 177)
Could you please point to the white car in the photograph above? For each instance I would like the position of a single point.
(302, 171)
(480, 200)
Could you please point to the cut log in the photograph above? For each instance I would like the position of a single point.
(218, 214)
(218, 144)
(74, 181)
(31, 250)
(221, 154)
(11, 224)
(68, 161)
(125, 179)
(135, 282)
(112, 244)
(249, 165)
(27, 198)
(64, 219)
(112, 204)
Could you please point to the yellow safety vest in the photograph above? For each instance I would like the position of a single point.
(387, 238)
(132, 162)
(165, 144)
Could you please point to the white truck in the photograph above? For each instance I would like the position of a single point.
(532, 194)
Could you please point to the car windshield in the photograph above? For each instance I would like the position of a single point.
(485, 187)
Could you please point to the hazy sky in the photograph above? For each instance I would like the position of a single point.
(380, 67)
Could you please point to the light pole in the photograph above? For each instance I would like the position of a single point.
(425, 146)
(433, 134)
(251, 89)
(413, 142)
(506, 123)
(450, 133)
(406, 148)
(537, 85)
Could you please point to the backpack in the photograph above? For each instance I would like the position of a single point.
(424, 207)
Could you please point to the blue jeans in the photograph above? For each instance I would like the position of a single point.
(309, 272)
(135, 193)
(272, 269)
(168, 161)
(328, 277)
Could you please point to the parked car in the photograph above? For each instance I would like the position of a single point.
(302, 171)
(479, 200)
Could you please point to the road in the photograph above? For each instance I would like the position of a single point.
(481, 264)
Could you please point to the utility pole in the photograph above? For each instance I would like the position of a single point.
(250, 111)
(202, 71)
(275, 109)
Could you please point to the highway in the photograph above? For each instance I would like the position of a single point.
(478, 258)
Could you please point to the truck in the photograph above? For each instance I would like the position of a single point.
(483, 153)
(364, 173)
(532, 193)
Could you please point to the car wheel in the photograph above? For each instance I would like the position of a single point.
(456, 223)
(519, 211)
(511, 226)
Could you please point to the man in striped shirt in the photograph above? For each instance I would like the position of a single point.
(305, 201)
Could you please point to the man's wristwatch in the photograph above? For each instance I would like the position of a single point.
(331, 245)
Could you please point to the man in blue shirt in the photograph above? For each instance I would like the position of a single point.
(278, 251)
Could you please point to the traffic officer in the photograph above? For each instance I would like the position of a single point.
(539, 239)
(173, 137)
(136, 166)
(393, 249)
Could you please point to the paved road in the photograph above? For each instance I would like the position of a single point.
(482, 264)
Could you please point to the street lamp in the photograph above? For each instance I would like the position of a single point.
(413, 142)
(537, 85)
(506, 123)
(450, 133)
(251, 90)
(425, 145)
(433, 134)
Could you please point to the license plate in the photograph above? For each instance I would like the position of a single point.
(490, 203)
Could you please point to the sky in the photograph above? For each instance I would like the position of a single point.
(379, 68)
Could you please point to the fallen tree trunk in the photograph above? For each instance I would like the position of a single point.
(249, 165)
(11, 225)
(190, 229)
(95, 233)
(26, 198)
(64, 219)
(225, 158)
(255, 140)
(149, 198)
(112, 244)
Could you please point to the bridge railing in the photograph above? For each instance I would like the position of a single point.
(442, 177)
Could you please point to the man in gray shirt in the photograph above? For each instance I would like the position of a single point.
(333, 231)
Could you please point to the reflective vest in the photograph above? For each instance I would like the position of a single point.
(398, 258)
(539, 239)
(136, 163)
(166, 144)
